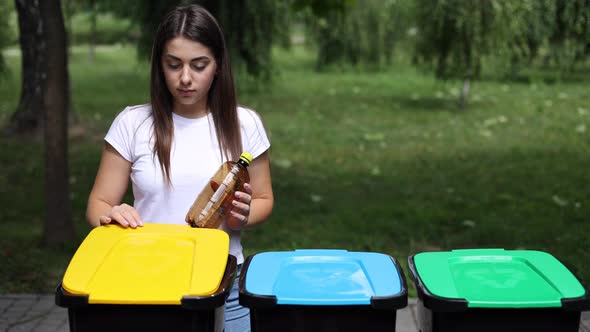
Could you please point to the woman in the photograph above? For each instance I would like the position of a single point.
(171, 147)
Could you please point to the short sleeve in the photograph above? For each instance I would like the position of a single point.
(120, 135)
(254, 137)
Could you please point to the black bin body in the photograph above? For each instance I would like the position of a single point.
(325, 318)
(496, 320)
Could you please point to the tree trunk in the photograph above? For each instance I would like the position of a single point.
(68, 13)
(58, 227)
(464, 94)
(93, 32)
(27, 117)
(470, 68)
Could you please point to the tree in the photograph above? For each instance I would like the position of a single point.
(28, 115)
(44, 104)
(58, 227)
(531, 30)
(570, 38)
(355, 32)
(559, 27)
(455, 35)
(250, 29)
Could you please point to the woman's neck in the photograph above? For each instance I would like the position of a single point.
(191, 111)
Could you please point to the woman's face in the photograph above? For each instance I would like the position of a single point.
(189, 69)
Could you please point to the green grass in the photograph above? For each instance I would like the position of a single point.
(371, 161)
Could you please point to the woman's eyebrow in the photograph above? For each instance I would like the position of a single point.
(199, 58)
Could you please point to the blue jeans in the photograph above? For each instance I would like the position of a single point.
(237, 318)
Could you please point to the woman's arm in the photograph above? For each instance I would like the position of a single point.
(104, 201)
(254, 205)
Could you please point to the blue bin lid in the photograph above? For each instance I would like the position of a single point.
(324, 277)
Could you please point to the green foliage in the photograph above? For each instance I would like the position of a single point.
(109, 30)
(455, 35)
(554, 33)
(322, 8)
(532, 26)
(251, 28)
(362, 32)
(6, 9)
(570, 40)
(145, 15)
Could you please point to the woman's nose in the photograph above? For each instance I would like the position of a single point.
(185, 77)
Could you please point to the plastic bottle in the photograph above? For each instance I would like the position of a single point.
(214, 204)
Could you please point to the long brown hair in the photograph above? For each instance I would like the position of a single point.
(195, 23)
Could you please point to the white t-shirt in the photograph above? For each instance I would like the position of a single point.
(194, 158)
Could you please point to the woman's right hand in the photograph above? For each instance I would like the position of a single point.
(124, 214)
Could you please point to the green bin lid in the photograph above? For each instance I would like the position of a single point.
(498, 278)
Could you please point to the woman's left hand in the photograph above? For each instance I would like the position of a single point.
(240, 211)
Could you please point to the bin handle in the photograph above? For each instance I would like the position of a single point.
(431, 301)
(218, 298)
(248, 299)
(397, 301)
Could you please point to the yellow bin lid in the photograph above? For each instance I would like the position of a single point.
(153, 264)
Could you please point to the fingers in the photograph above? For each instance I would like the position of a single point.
(242, 203)
(136, 216)
(236, 221)
(248, 188)
(246, 195)
(104, 220)
(124, 215)
(241, 208)
(121, 219)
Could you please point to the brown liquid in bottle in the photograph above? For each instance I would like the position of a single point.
(212, 206)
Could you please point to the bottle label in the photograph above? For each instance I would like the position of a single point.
(219, 192)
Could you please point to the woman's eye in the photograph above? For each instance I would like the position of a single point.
(173, 66)
(198, 68)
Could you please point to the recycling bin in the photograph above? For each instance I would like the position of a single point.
(322, 290)
(157, 277)
(496, 290)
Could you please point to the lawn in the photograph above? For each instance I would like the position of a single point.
(370, 161)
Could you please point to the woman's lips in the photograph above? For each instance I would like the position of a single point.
(185, 93)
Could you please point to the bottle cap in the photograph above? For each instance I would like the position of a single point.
(247, 157)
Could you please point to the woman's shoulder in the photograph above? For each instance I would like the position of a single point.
(248, 116)
(137, 110)
(135, 113)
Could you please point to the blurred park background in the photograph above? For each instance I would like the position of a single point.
(397, 126)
